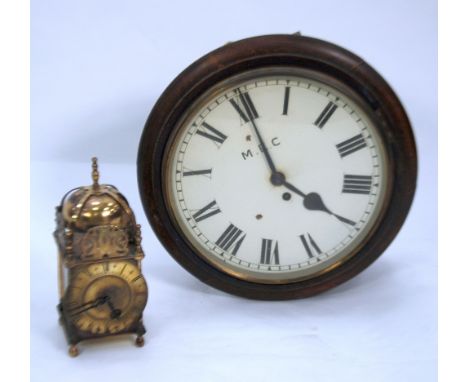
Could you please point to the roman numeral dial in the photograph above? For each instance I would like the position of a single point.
(274, 178)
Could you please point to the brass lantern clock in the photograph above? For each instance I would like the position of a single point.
(102, 289)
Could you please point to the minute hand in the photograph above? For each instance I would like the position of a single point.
(88, 305)
(257, 132)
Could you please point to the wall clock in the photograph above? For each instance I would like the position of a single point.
(277, 167)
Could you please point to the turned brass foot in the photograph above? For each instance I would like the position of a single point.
(73, 350)
(140, 341)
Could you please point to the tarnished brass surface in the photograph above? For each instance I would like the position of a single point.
(102, 291)
(104, 241)
(96, 205)
(122, 286)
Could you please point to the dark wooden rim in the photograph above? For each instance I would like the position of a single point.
(278, 50)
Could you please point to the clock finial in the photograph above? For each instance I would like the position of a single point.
(95, 173)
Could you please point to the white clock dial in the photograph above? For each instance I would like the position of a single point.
(274, 177)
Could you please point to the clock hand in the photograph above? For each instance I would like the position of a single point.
(292, 188)
(115, 313)
(313, 201)
(276, 178)
(88, 305)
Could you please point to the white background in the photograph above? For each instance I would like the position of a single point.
(96, 70)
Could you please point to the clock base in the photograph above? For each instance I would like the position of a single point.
(73, 351)
(75, 336)
(140, 341)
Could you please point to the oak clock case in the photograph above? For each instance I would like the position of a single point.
(102, 289)
(277, 167)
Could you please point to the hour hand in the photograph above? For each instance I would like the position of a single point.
(88, 305)
(115, 313)
(313, 201)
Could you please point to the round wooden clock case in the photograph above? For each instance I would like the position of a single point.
(277, 167)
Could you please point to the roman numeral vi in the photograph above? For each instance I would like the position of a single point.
(270, 253)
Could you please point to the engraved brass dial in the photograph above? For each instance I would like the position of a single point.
(107, 297)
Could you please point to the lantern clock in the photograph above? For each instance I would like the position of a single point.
(102, 289)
